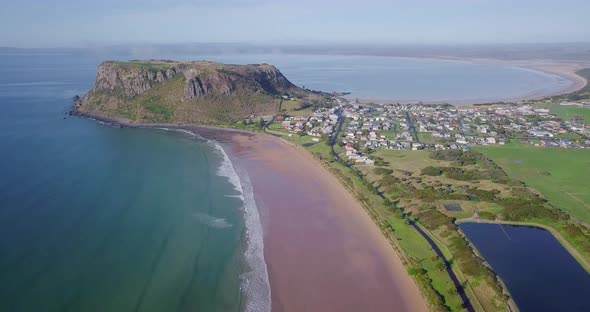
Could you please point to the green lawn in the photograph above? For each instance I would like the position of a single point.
(561, 175)
(291, 108)
(426, 137)
(390, 134)
(568, 112)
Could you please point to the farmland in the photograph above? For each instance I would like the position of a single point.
(560, 175)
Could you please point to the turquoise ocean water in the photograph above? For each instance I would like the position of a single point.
(94, 218)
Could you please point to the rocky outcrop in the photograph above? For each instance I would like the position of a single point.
(131, 78)
(167, 91)
(201, 78)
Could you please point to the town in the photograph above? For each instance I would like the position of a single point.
(364, 127)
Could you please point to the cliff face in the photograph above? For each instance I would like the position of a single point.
(131, 79)
(167, 91)
(202, 78)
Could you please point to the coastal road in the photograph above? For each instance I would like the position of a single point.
(458, 286)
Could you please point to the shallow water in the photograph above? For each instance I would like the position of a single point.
(540, 274)
(94, 218)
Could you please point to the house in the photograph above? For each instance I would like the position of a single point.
(349, 147)
(541, 133)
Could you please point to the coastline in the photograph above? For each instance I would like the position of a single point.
(323, 239)
(565, 70)
(279, 229)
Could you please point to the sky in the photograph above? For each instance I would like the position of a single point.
(79, 23)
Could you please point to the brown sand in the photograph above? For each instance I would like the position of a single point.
(322, 250)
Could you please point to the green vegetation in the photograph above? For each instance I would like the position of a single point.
(149, 66)
(216, 94)
(426, 137)
(582, 94)
(422, 182)
(296, 108)
(561, 175)
(164, 104)
(416, 253)
(153, 104)
(571, 113)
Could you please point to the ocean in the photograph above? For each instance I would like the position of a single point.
(94, 218)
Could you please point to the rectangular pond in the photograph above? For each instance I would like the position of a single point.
(539, 272)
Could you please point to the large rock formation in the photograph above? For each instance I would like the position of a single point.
(132, 78)
(184, 91)
(202, 78)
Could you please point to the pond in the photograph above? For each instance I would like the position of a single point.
(539, 272)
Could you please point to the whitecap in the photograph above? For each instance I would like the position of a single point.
(255, 282)
(211, 221)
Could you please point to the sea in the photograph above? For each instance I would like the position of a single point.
(96, 218)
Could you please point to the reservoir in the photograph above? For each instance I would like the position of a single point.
(539, 272)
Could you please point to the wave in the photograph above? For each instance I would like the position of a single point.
(211, 221)
(181, 130)
(255, 283)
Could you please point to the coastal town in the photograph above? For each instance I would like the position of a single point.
(368, 127)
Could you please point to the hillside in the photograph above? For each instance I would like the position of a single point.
(185, 92)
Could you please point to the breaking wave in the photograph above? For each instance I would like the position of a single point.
(255, 283)
(213, 222)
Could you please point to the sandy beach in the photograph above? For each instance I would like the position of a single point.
(322, 250)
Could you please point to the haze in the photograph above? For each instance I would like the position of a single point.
(70, 23)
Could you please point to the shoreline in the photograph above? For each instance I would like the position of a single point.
(342, 253)
(322, 238)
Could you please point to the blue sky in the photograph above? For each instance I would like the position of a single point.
(41, 23)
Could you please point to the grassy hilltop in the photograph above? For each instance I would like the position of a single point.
(186, 92)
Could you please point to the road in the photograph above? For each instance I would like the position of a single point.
(439, 253)
(412, 127)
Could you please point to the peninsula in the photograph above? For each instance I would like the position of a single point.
(185, 92)
(323, 251)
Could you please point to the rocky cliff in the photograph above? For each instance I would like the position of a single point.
(168, 91)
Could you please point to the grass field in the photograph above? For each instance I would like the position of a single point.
(568, 112)
(426, 137)
(291, 108)
(561, 175)
(407, 166)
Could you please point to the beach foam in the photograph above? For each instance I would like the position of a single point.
(211, 221)
(255, 283)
